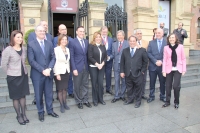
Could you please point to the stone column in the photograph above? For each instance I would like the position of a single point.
(31, 12)
(96, 16)
(144, 15)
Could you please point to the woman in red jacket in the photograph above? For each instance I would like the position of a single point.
(174, 66)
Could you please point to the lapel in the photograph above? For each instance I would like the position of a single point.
(156, 46)
(162, 47)
(137, 50)
(80, 46)
(39, 48)
(123, 46)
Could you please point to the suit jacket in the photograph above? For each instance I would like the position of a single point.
(38, 61)
(32, 36)
(110, 42)
(165, 31)
(180, 36)
(94, 54)
(62, 64)
(78, 57)
(154, 54)
(11, 61)
(144, 44)
(117, 55)
(55, 41)
(136, 64)
(167, 62)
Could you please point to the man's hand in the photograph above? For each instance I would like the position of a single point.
(46, 72)
(122, 75)
(164, 74)
(158, 63)
(75, 72)
(182, 32)
(58, 77)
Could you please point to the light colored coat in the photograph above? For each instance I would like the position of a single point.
(61, 64)
(181, 59)
(11, 61)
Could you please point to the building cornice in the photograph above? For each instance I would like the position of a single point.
(31, 3)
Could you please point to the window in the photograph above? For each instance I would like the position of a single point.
(120, 3)
(198, 29)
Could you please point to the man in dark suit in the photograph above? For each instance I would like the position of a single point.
(133, 65)
(48, 37)
(62, 29)
(107, 41)
(165, 30)
(155, 54)
(180, 33)
(79, 64)
(42, 59)
(117, 49)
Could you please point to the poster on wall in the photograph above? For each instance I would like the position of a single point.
(163, 13)
(62, 6)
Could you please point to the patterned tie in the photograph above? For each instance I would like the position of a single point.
(120, 46)
(83, 46)
(42, 47)
(132, 52)
(159, 46)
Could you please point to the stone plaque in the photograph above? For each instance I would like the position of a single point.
(32, 21)
(98, 23)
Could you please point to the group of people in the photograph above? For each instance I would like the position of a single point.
(70, 62)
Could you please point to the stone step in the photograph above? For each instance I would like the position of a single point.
(194, 53)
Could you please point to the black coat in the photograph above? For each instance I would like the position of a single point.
(136, 64)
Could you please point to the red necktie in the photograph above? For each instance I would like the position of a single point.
(120, 46)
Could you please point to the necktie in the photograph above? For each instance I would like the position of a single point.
(139, 42)
(42, 46)
(132, 52)
(83, 46)
(159, 46)
(120, 46)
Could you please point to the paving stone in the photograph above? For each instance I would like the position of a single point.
(194, 128)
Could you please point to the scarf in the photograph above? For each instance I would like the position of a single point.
(174, 55)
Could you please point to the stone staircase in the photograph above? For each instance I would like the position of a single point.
(191, 78)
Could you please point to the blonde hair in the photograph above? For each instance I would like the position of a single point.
(94, 37)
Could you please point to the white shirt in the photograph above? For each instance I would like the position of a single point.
(140, 43)
(133, 50)
(105, 40)
(174, 69)
(79, 39)
(99, 56)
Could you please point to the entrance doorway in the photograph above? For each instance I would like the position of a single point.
(67, 19)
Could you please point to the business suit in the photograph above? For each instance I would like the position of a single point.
(144, 44)
(32, 36)
(109, 63)
(180, 36)
(154, 54)
(70, 82)
(165, 33)
(97, 54)
(116, 55)
(173, 75)
(42, 84)
(78, 60)
(134, 67)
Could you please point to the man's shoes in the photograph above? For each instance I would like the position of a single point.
(144, 97)
(88, 105)
(165, 105)
(95, 104)
(123, 99)
(53, 115)
(66, 107)
(110, 92)
(176, 106)
(114, 100)
(137, 105)
(41, 117)
(80, 106)
(163, 99)
(126, 102)
(71, 95)
(34, 101)
(150, 100)
(103, 103)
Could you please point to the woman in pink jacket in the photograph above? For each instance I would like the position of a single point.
(174, 66)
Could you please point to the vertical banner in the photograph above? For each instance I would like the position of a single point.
(163, 13)
(62, 6)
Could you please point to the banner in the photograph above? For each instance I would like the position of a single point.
(163, 13)
(64, 6)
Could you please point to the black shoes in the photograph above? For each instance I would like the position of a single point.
(163, 100)
(41, 117)
(53, 115)
(110, 92)
(123, 99)
(150, 100)
(20, 120)
(88, 105)
(137, 105)
(71, 95)
(95, 104)
(62, 109)
(25, 118)
(126, 102)
(165, 105)
(34, 101)
(66, 107)
(144, 97)
(103, 103)
(114, 100)
(176, 106)
(80, 106)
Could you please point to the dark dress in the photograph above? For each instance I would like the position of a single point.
(18, 85)
(63, 83)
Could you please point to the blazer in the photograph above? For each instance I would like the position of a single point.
(145, 44)
(32, 36)
(117, 55)
(38, 61)
(165, 32)
(181, 59)
(134, 65)
(94, 54)
(11, 61)
(62, 64)
(154, 54)
(55, 41)
(180, 36)
(110, 42)
(78, 56)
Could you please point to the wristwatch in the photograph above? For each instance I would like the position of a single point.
(50, 69)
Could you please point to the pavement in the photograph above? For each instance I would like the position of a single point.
(116, 118)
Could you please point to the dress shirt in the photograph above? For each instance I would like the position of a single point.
(134, 49)
(105, 40)
(39, 41)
